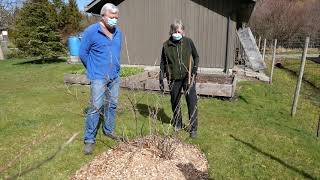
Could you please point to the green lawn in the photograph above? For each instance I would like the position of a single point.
(125, 71)
(311, 70)
(298, 51)
(252, 138)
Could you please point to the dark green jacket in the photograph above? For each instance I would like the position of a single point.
(175, 59)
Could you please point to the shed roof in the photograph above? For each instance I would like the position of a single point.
(244, 10)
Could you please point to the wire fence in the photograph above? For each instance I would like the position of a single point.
(291, 45)
(290, 56)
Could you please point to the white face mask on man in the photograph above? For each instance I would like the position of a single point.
(112, 22)
(177, 36)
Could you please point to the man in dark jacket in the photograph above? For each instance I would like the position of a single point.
(175, 66)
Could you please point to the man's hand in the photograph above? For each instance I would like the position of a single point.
(192, 83)
(194, 71)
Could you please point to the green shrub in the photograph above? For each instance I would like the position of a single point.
(124, 72)
(78, 70)
(14, 53)
(129, 71)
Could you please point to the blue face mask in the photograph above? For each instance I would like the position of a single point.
(112, 22)
(177, 36)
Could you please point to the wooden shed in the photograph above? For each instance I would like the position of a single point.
(212, 24)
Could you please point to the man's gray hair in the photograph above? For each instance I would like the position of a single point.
(109, 7)
(177, 24)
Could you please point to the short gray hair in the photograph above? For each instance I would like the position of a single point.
(109, 7)
(176, 25)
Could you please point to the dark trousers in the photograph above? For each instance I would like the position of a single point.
(191, 97)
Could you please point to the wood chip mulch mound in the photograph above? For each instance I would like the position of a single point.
(148, 158)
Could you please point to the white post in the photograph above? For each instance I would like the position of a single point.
(298, 86)
(264, 49)
(1, 53)
(273, 59)
(259, 43)
(318, 128)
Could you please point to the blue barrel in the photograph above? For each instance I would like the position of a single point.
(74, 45)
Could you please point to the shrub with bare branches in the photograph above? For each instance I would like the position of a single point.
(286, 19)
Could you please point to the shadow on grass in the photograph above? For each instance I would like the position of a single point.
(34, 167)
(297, 62)
(161, 116)
(280, 161)
(37, 165)
(284, 126)
(190, 172)
(243, 99)
(292, 72)
(314, 59)
(43, 61)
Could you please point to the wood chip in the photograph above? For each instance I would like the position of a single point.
(143, 159)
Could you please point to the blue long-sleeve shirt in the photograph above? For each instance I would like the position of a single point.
(100, 54)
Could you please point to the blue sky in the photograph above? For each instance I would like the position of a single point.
(83, 3)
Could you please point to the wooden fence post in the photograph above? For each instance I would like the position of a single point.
(264, 49)
(259, 43)
(298, 86)
(273, 60)
(318, 129)
(1, 52)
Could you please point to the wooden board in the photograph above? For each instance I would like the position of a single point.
(209, 89)
(206, 89)
(76, 79)
(250, 47)
(134, 82)
(224, 87)
(153, 84)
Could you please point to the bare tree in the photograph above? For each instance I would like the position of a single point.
(286, 19)
(312, 20)
(8, 9)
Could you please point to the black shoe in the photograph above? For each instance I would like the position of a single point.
(115, 137)
(88, 148)
(193, 134)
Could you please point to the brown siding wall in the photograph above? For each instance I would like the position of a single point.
(145, 26)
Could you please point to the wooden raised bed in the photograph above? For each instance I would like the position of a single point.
(207, 84)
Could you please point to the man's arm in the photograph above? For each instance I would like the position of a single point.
(195, 57)
(162, 65)
(85, 48)
(162, 70)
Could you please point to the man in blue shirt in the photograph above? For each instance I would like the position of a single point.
(100, 54)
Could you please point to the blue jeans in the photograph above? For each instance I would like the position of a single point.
(99, 90)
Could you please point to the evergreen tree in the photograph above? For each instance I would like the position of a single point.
(68, 18)
(37, 29)
(74, 18)
(60, 13)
